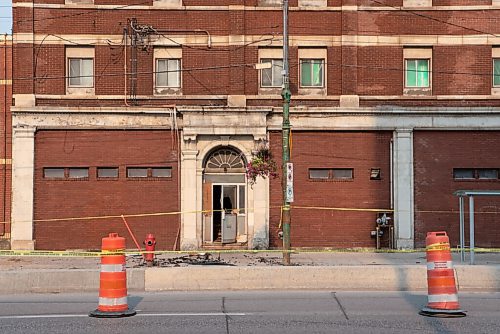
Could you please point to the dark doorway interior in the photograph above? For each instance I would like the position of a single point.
(217, 213)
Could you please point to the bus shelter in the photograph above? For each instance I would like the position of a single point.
(461, 199)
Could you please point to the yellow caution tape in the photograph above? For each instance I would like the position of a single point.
(440, 246)
(43, 253)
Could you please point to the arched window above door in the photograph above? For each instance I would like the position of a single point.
(225, 160)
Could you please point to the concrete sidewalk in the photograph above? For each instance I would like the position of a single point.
(248, 271)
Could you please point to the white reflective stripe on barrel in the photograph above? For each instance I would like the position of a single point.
(443, 298)
(112, 301)
(112, 268)
(439, 265)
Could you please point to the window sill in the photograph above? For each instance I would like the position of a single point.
(166, 91)
(416, 91)
(320, 91)
(80, 91)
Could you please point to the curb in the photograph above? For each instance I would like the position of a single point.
(361, 278)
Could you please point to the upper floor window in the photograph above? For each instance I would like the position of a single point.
(496, 72)
(167, 65)
(312, 72)
(272, 77)
(168, 72)
(417, 71)
(80, 70)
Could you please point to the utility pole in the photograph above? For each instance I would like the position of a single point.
(286, 95)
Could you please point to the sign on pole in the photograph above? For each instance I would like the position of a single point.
(289, 182)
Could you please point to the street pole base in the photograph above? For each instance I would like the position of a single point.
(438, 313)
(101, 314)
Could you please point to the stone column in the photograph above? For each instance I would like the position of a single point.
(403, 188)
(23, 167)
(189, 195)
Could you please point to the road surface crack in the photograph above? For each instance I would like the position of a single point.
(334, 295)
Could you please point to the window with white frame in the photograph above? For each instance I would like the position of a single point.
(312, 71)
(168, 72)
(417, 64)
(80, 70)
(272, 77)
(168, 69)
(417, 73)
(496, 72)
(495, 55)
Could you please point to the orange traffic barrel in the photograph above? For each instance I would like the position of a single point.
(113, 280)
(442, 290)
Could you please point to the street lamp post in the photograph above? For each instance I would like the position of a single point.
(286, 95)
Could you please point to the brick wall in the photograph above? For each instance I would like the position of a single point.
(325, 228)
(464, 70)
(5, 135)
(100, 197)
(436, 209)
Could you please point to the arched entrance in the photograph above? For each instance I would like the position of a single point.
(224, 197)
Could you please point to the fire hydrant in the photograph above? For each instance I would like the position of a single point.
(150, 243)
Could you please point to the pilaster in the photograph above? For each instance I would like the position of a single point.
(403, 188)
(23, 163)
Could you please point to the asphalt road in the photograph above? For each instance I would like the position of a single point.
(248, 312)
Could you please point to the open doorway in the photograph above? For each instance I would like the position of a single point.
(224, 198)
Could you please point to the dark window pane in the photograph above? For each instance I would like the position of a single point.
(107, 172)
(318, 173)
(463, 173)
(487, 173)
(137, 172)
(342, 173)
(53, 173)
(162, 172)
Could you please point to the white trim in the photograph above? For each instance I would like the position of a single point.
(439, 265)
(112, 268)
(444, 298)
(113, 301)
(264, 41)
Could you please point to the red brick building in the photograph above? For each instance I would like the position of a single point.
(151, 109)
(6, 135)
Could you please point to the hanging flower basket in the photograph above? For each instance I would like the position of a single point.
(261, 164)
